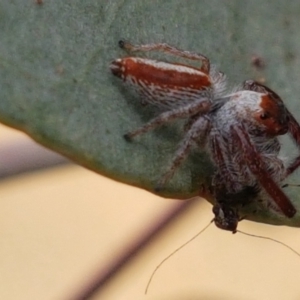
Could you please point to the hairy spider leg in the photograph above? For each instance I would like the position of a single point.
(198, 131)
(205, 67)
(226, 204)
(182, 112)
(226, 215)
(256, 165)
(221, 159)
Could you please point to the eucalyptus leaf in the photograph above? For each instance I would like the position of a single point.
(57, 87)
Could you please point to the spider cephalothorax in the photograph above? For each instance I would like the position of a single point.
(239, 130)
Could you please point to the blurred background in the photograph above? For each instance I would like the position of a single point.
(66, 231)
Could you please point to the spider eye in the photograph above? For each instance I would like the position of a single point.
(264, 116)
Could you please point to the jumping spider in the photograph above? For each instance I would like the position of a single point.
(239, 130)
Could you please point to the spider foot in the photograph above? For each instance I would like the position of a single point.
(158, 188)
(123, 44)
(128, 137)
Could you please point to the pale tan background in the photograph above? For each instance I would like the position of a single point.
(60, 226)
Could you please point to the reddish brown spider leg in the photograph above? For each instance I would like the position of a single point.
(205, 67)
(256, 166)
(198, 131)
(294, 128)
(186, 111)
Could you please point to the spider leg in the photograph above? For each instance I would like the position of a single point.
(223, 179)
(205, 67)
(185, 111)
(290, 184)
(293, 166)
(198, 131)
(256, 165)
(294, 130)
(224, 209)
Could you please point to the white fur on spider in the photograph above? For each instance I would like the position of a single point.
(240, 109)
(237, 109)
(234, 175)
(165, 97)
(161, 65)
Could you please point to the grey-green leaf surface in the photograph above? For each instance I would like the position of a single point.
(56, 84)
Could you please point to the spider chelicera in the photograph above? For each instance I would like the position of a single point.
(239, 130)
